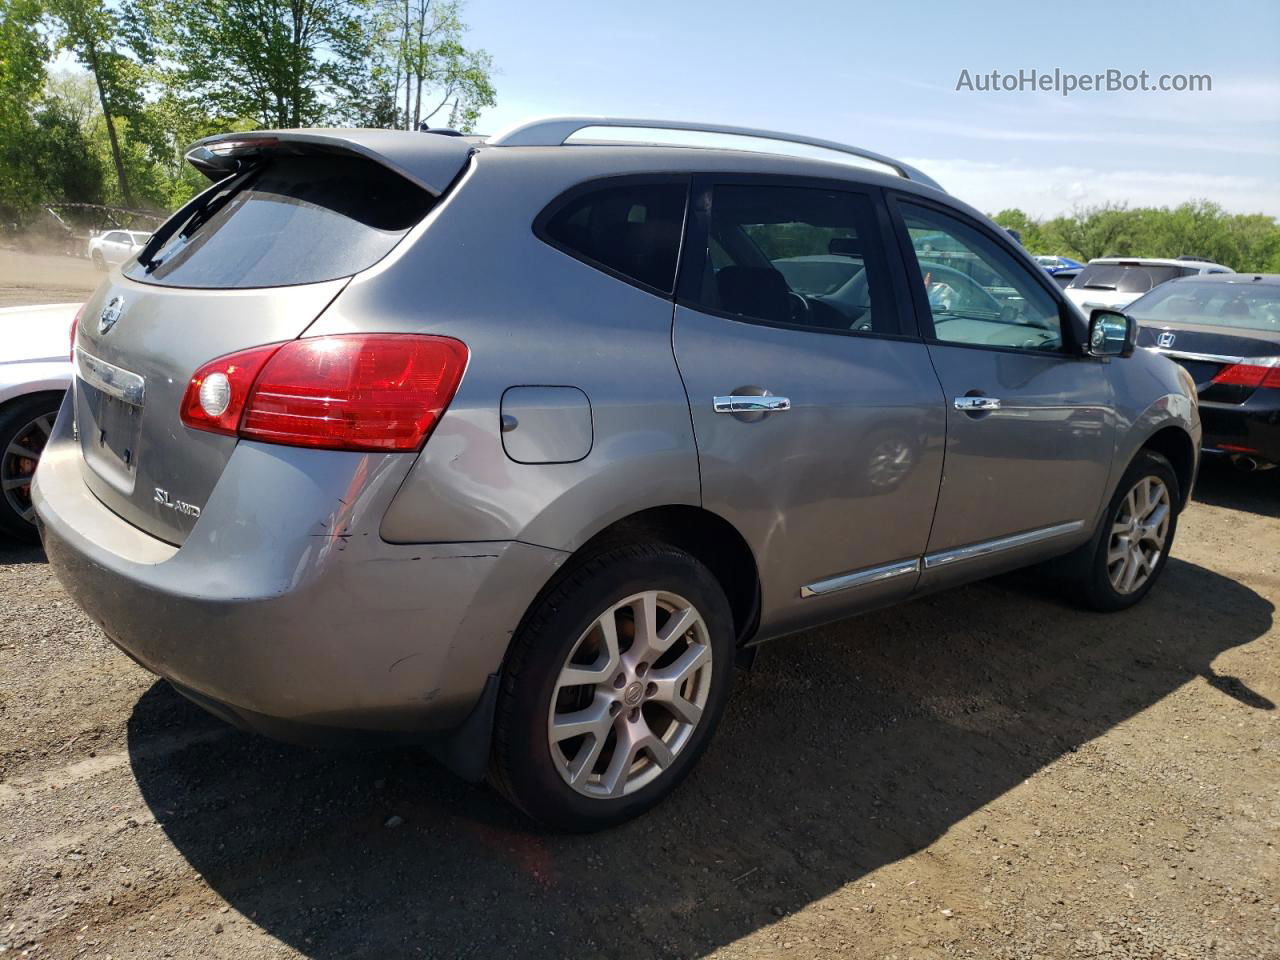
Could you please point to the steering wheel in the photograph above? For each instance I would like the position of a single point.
(965, 289)
(803, 313)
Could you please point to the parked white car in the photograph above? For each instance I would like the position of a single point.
(35, 372)
(1115, 282)
(115, 247)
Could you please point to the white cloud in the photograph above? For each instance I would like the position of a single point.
(1045, 191)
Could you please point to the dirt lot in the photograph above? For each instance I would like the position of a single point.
(44, 278)
(986, 773)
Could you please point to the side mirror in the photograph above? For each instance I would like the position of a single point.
(1111, 333)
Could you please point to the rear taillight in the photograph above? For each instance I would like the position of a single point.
(75, 325)
(216, 396)
(346, 392)
(1252, 374)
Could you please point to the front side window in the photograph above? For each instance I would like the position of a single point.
(796, 256)
(632, 229)
(978, 293)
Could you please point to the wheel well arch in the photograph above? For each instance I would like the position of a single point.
(17, 398)
(707, 536)
(1174, 444)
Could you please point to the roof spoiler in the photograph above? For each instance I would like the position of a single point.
(431, 162)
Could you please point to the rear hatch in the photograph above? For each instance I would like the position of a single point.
(1209, 352)
(254, 260)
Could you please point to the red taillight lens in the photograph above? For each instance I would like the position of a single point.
(231, 378)
(75, 326)
(1250, 375)
(346, 392)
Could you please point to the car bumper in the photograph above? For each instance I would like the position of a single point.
(1251, 428)
(275, 616)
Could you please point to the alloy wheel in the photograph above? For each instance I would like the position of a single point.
(1138, 535)
(630, 694)
(18, 464)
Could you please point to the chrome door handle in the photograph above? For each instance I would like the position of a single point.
(745, 403)
(976, 404)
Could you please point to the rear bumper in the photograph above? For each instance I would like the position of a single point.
(1251, 428)
(283, 609)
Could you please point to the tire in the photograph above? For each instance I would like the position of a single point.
(99, 262)
(564, 630)
(1094, 583)
(23, 424)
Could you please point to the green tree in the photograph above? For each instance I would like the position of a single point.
(91, 30)
(23, 53)
(422, 59)
(61, 154)
(285, 63)
(1029, 229)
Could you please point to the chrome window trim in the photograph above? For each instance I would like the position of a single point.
(110, 379)
(860, 578)
(987, 547)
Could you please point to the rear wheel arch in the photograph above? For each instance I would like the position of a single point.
(705, 535)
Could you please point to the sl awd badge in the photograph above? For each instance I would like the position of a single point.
(110, 314)
(178, 506)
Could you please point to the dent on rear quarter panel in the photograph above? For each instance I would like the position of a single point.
(530, 316)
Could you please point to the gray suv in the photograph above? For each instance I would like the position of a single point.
(513, 448)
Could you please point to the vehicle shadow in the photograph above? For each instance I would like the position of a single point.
(14, 551)
(1222, 485)
(846, 748)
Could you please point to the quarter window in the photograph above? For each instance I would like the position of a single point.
(796, 256)
(978, 294)
(632, 229)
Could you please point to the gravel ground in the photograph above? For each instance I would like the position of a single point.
(44, 278)
(985, 773)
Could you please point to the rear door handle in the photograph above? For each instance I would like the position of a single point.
(976, 404)
(747, 403)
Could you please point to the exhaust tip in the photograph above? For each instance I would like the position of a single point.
(1244, 463)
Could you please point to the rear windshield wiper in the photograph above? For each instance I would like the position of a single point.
(192, 216)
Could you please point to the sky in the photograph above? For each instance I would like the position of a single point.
(883, 76)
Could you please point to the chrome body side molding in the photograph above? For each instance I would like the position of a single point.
(860, 578)
(987, 547)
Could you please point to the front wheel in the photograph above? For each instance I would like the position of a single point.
(1132, 547)
(613, 687)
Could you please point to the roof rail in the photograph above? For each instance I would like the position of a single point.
(554, 131)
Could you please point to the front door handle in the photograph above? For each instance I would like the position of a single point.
(747, 403)
(977, 404)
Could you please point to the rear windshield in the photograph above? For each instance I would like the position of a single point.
(294, 220)
(1255, 306)
(1127, 278)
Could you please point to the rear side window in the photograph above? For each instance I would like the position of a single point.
(631, 229)
(301, 219)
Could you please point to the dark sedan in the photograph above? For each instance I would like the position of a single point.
(1225, 330)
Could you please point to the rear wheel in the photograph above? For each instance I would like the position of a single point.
(613, 687)
(25, 426)
(1131, 549)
